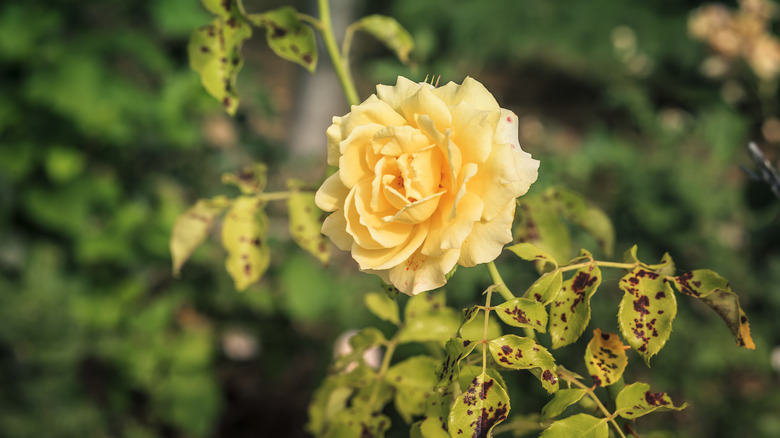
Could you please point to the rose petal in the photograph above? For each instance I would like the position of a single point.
(418, 211)
(425, 102)
(420, 273)
(449, 233)
(394, 95)
(475, 140)
(353, 166)
(470, 91)
(488, 238)
(335, 227)
(331, 194)
(386, 234)
(386, 258)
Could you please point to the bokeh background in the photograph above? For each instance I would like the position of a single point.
(106, 136)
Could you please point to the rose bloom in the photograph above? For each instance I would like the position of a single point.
(427, 179)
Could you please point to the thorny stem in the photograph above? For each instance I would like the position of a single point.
(562, 373)
(340, 63)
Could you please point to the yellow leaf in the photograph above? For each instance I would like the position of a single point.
(192, 227)
(305, 225)
(605, 358)
(243, 237)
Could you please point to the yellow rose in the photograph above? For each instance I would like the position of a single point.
(427, 179)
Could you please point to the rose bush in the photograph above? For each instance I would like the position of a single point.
(427, 179)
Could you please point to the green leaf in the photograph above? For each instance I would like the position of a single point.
(330, 398)
(528, 251)
(244, 238)
(288, 37)
(540, 224)
(456, 349)
(630, 255)
(594, 221)
(354, 422)
(475, 328)
(646, 311)
(192, 227)
(715, 291)
(468, 315)
(251, 180)
(665, 267)
(636, 400)
(434, 422)
(215, 53)
(382, 306)
(305, 224)
(546, 288)
(580, 425)
(605, 358)
(482, 406)
(424, 303)
(523, 312)
(511, 351)
(427, 318)
(469, 372)
(570, 312)
(389, 32)
(413, 380)
(560, 401)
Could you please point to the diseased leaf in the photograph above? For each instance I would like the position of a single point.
(469, 372)
(251, 180)
(511, 351)
(456, 349)
(305, 224)
(434, 422)
(646, 311)
(382, 306)
(355, 422)
(560, 401)
(605, 358)
(528, 251)
(389, 32)
(482, 406)
(592, 220)
(289, 37)
(474, 329)
(546, 288)
(539, 223)
(468, 315)
(424, 303)
(570, 312)
(243, 237)
(192, 227)
(413, 380)
(580, 426)
(715, 291)
(636, 400)
(665, 267)
(215, 52)
(523, 312)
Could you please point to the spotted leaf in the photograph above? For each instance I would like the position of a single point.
(469, 372)
(251, 180)
(434, 421)
(580, 425)
(355, 422)
(474, 330)
(646, 311)
(570, 312)
(192, 228)
(560, 401)
(215, 52)
(389, 32)
(413, 380)
(605, 358)
(482, 406)
(448, 371)
(243, 237)
(546, 288)
(592, 220)
(715, 291)
(636, 400)
(530, 252)
(511, 351)
(289, 37)
(382, 306)
(523, 312)
(305, 224)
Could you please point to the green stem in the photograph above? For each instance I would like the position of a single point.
(313, 22)
(389, 350)
(485, 330)
(612, 392)
(599, 264)
(499, 282)
(340, 63)
(562, 373)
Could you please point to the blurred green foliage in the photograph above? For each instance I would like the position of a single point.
(102, 147)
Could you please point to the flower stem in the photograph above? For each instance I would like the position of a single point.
(389, 350)
(340, 63)
(499, 282)
(599, 264)
(564, 374)
(485, 329)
